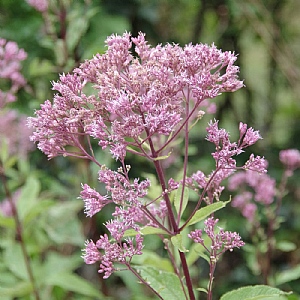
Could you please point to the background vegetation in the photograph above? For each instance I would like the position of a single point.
(265, 33)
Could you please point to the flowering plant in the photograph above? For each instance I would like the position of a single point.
(144, 104)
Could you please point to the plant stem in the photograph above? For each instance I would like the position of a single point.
(162, 182)
(271, 228)
(212, 267)
(185, 163)
(172, 220)
(186, 273)
(19, 233)
(176, 270)
(161, 178)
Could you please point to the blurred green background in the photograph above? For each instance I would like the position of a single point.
(266, 36)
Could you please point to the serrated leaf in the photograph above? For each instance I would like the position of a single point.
(166, 284)
(206, 211)
(178, 200)
(177, 242)
(257, 292)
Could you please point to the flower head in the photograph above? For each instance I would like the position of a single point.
(108, 252)
(220, 241)
(10, 67)
(15, 133)
(290, 158)
(262, 190)
(133, 97)
(93, 201)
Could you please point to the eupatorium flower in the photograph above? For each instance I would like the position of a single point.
(262, 190)
(290, 158)
(10, 67)
(224, 157)
(138, 103)
(14, 133)
(93, 201)
(120, 99)
(220, 241)
(108, 252)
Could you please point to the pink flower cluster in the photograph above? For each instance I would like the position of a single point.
(139, 104)
(291, 159)
(220, 242)
(128, 214)
(39, 5)
(15, 133)
(224, 158)
(225, 150)
(13, 129)
(263, 189)
(122, 100)
(10, 66)
(107, 253)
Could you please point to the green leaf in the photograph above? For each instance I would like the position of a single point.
(288, 275)
(74, 283)
(60, 52)
(166, 284)
(62, 225)
(177, 242)
(28, 197)
(202, 290)
(78, 25)
(257, 292)
(14, 260)
(19, 289)
(152, 230)
(41, 207)
(145, 231)
(40, 67)
(150, 258)
(56, 263)
(178, 200)
(286, 246)
(7, 222)
(196, 251)
(162, 157)
(206, 211)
